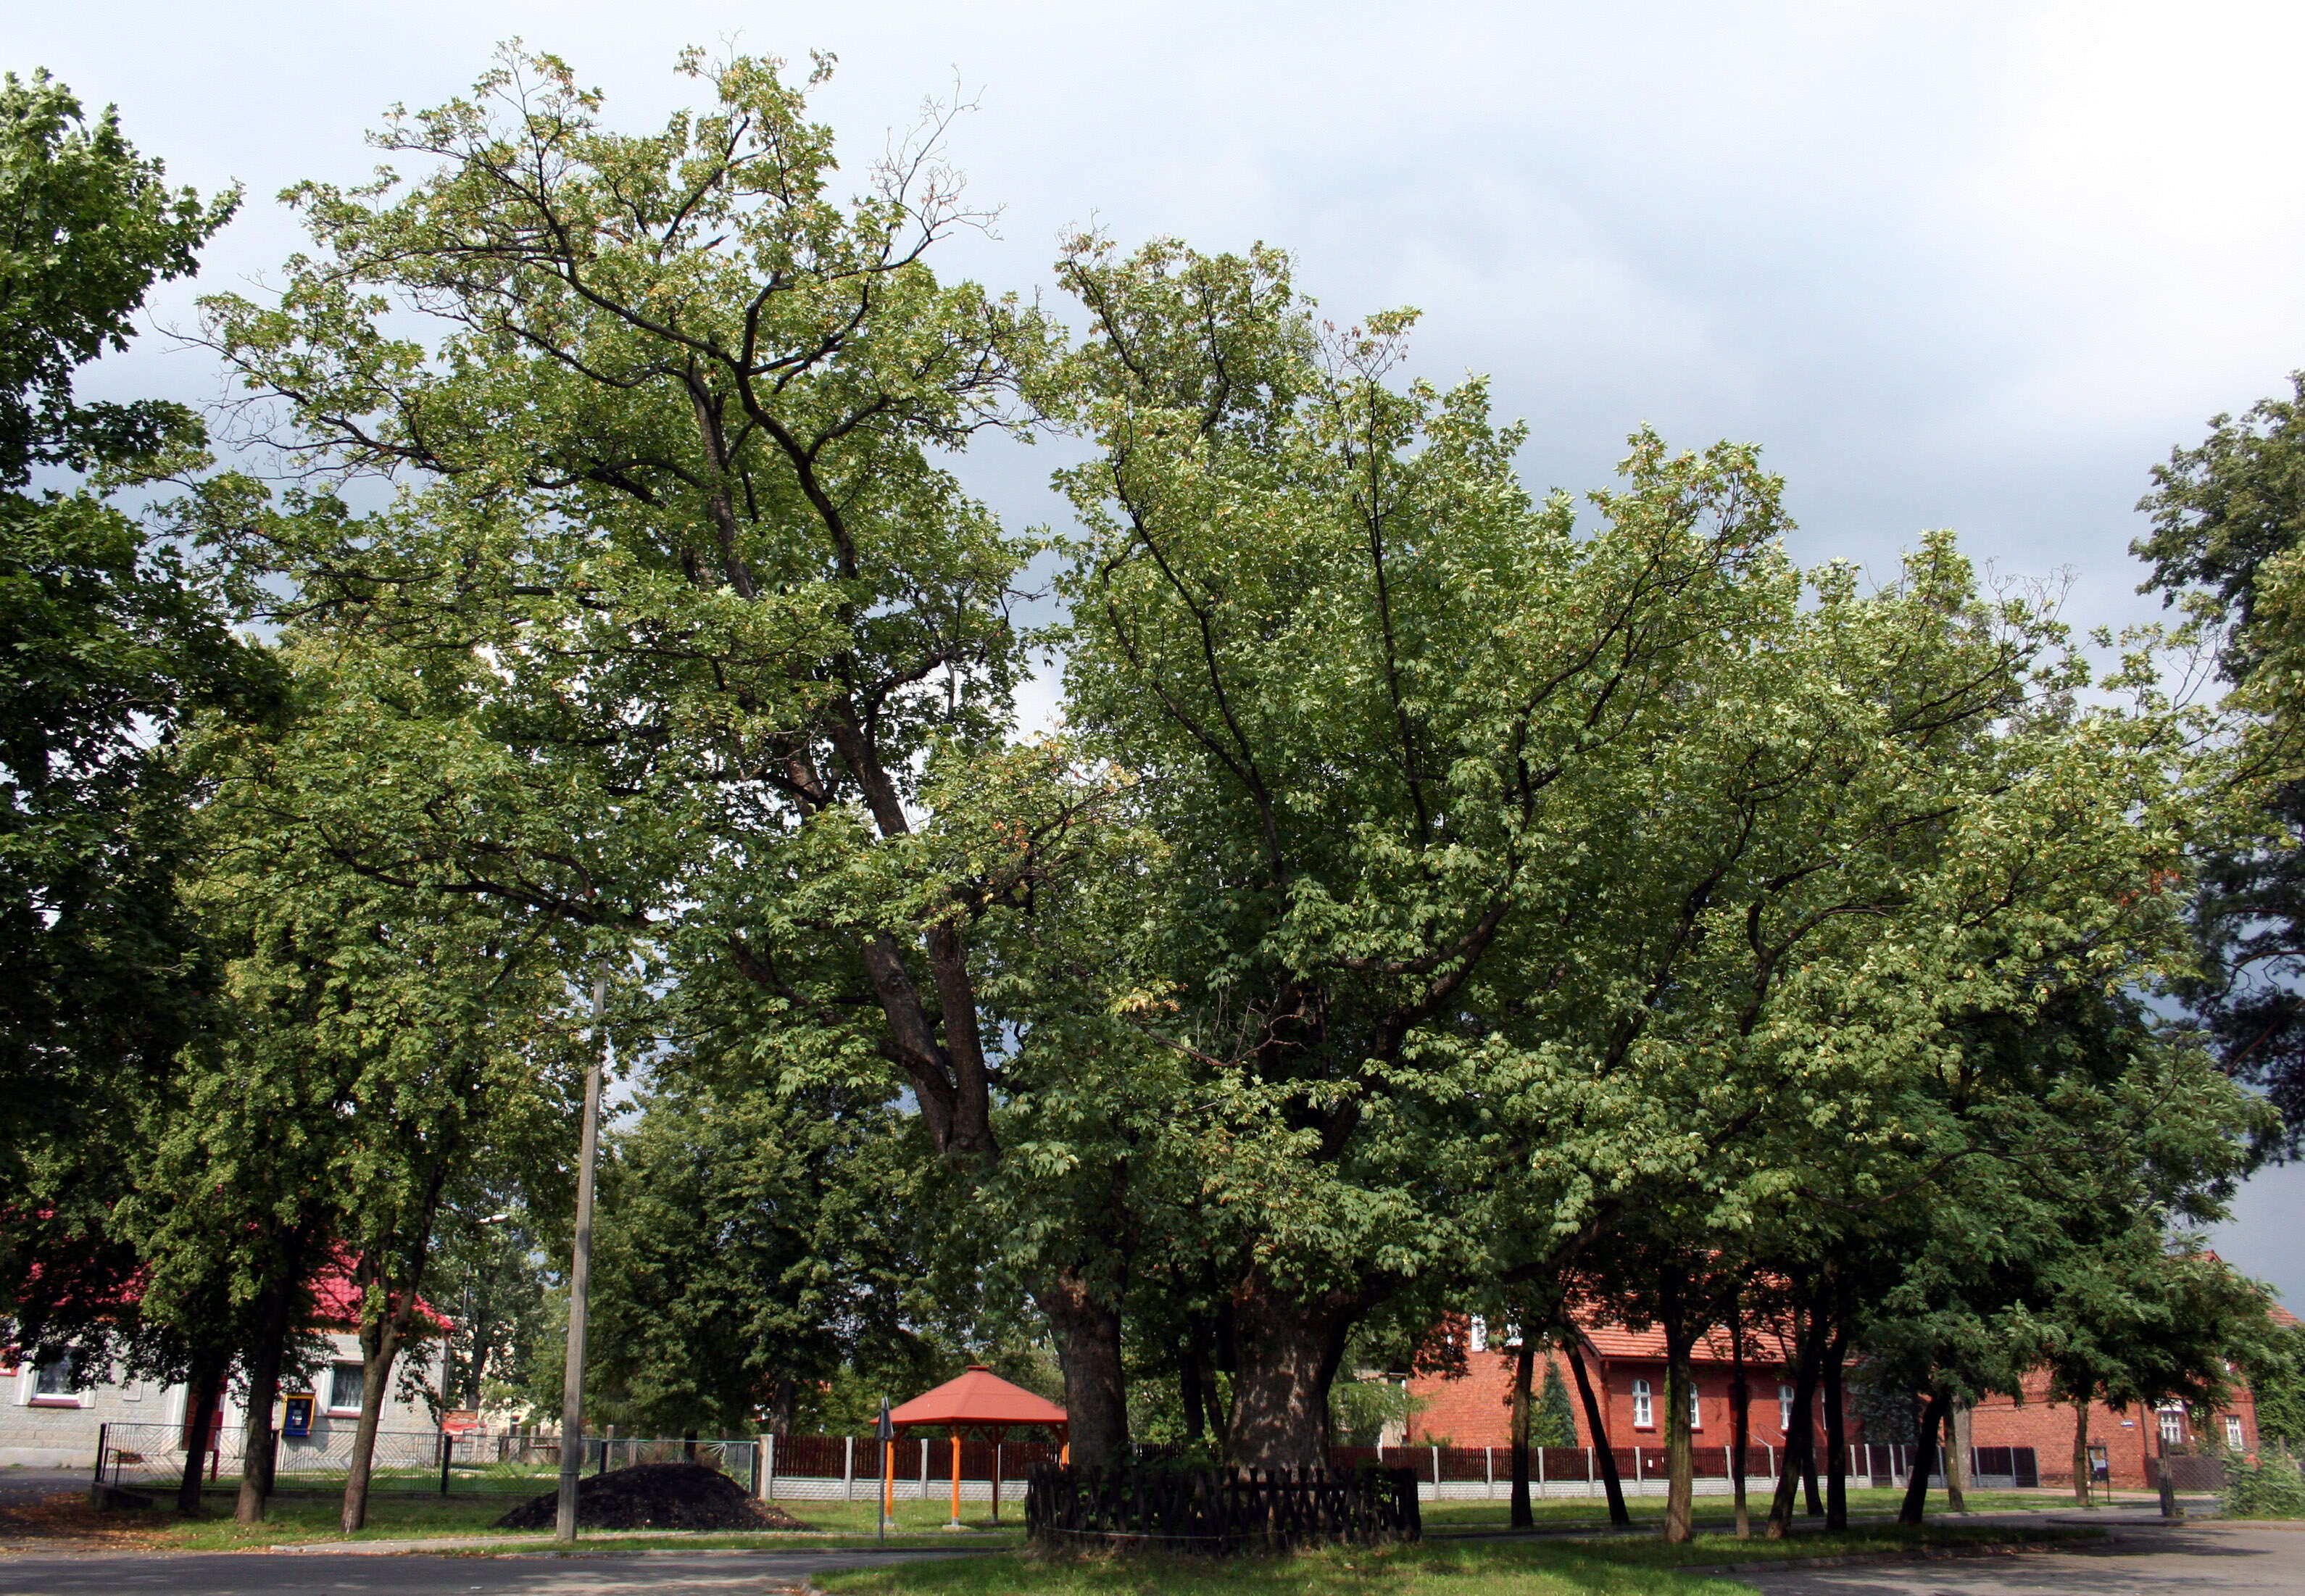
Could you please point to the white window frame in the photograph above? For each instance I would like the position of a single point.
(1644, 1410)
(328, 1403)
(2173, 1424)
(1477, 1331)
(2232, 1431)
(1696, 1407)
(1785, 1410)
(30, 1389)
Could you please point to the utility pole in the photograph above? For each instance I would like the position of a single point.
(580, 1278)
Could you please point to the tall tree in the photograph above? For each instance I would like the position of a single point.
(2228, 517)
(1378, 698)
(676, 475)
(112, 641)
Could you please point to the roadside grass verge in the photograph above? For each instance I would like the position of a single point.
(1464, 1567)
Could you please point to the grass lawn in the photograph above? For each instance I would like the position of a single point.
(1564, 1511)
(1458, 1567)
(292, 1519)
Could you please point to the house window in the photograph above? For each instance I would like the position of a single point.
(1480, 1334)
(1785, 1410)
(1642, 1417)
(1695, 1410)
(2173, 1425)
(345, 1384)
(2232, 1431)
(52, 1381)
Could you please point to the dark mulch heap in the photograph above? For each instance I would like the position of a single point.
(655, 1496)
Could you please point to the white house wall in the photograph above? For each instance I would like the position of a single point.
(61, 1432)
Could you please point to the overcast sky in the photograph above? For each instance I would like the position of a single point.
(1968, 266)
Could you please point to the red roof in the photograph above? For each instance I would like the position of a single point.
(337, 1302)
(979, 1396)
(1762, 1344)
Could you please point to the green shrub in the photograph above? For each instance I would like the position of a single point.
(2270, 1489)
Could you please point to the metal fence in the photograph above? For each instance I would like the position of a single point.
(150, 1457)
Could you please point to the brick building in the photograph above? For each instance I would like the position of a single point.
(1627, 1371)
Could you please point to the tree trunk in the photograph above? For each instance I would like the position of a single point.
(2082, 1485)
(1188, 1386)
(1816, 1499)
(264, 1380)
(784, 1402)
(1924, 1458)
(1957, 1461)
(203, 1394)
(1288, 1351)
(1800, 1439)
(1524, 1373)
(1087, 1329)
(1597, 1427)
(1836, 1434)
(380, 1347)
(1679, 1454)
(1740, 1421)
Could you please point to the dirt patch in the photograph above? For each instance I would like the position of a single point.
(655, 1496)
(66, 1515)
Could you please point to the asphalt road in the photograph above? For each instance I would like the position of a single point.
(2200, 1559)
(290, 1574)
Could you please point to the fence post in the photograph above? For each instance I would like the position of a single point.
(761, 1444)
(96, 1485)
(772, 1468)
(1540, 1470)
(923, 1495)
(447, 1448)
(1640, 1474)
(1436, 1474)
(1592, 1486)
(1489, 1473)
(848, 1469)
(1772, 1451)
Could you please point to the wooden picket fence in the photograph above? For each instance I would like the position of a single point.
(1219, 1510)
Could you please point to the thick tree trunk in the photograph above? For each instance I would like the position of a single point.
(1603, 1455)
(1679, 1444)
(264, 1381)
(1087, 1329)
(1836, 1435)
(1814, 1497)
(1925, 1460)
(203, 1394)
(1957, 1461)
(380, 1348)
(1740, 1423)
(1287, 1352)
(1524, 1374)
(1800, 1440)
(2082, 1486)
(783, 1404)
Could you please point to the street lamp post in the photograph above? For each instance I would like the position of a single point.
(580, 1281)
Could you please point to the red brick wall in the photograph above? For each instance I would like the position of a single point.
(2130, 1438)
(1473, 1410)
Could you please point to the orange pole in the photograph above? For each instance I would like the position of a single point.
(887, 1481)
(955, 1478)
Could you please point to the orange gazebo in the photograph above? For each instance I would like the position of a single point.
(979, 1399)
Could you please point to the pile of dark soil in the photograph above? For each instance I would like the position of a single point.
(655, 1496)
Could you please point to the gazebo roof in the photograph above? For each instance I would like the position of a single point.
(979, 1396)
